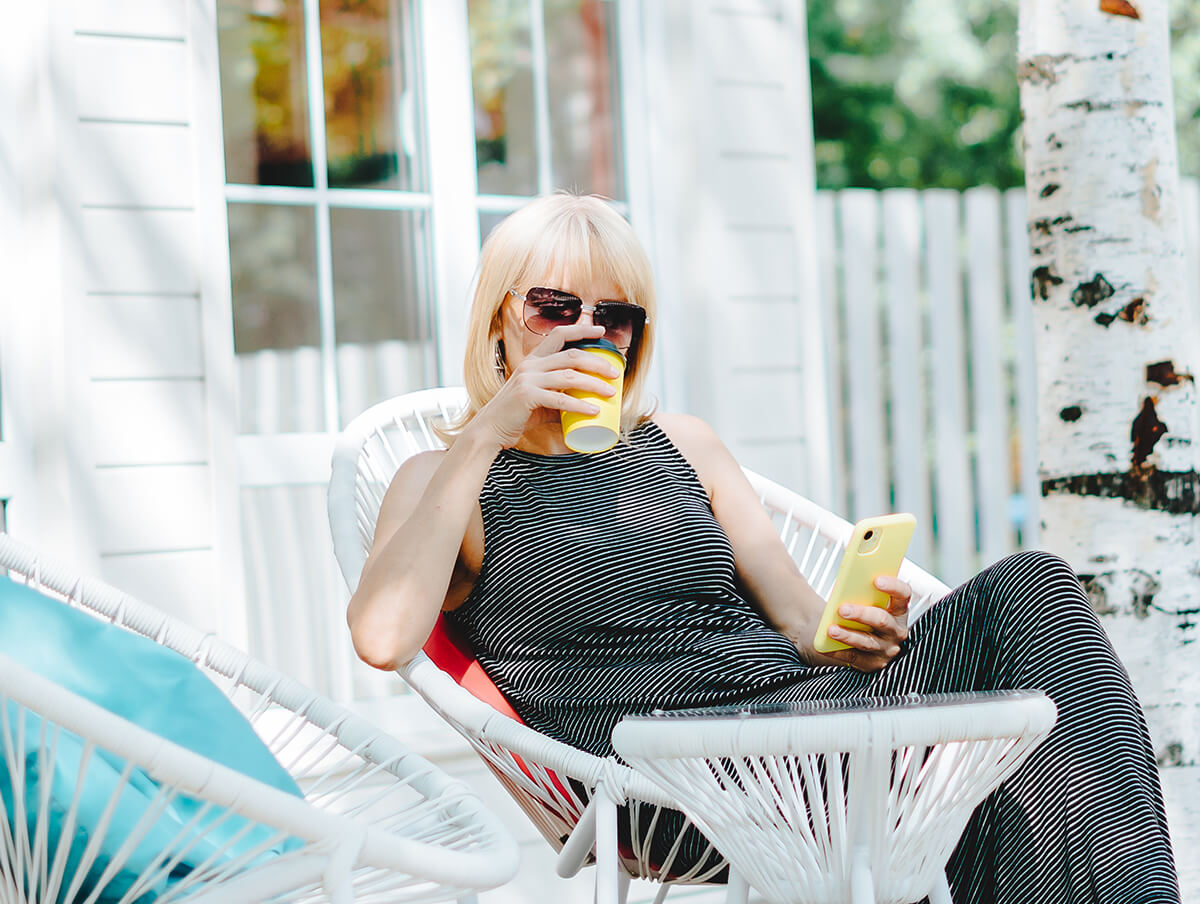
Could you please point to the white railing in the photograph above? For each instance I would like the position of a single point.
(931, 378)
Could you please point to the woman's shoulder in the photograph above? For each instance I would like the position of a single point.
(686, 431)
(419, 468)
(413, 476)
(696, 441)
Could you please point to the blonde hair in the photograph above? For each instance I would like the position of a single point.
(562, 232)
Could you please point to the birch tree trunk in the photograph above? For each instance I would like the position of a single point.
(1117, 338)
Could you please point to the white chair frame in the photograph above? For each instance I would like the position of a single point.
(366, 457)
(376, 823)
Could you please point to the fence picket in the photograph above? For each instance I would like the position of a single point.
(264, 411)
(354, 380)
(1024, 364)
(827, 258)
(904, 350)
(308, 410)
(860, 252)
(989, 414)
(400, 367)
(954, 532)
(1189, 211)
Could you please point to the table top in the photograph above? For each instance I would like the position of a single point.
(841, 707)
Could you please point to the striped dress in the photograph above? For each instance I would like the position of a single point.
(608, 587)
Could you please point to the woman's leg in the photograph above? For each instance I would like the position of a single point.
(1083, 820)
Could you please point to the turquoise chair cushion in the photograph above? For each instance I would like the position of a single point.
(155, 688)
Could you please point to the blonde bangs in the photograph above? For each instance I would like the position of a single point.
(552, 236)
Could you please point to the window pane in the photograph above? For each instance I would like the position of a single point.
(581, 68)
(502, 80)
(263, 95)
(381, 291)
(372, 114)
(276, 324)
(488, 222)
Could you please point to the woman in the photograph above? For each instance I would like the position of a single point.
(650, 576)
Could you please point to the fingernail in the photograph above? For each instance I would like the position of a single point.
(845, 611)
(595, 408)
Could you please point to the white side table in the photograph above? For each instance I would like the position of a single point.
(846, 801)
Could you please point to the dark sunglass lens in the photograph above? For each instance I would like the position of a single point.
(620, 321)
(547, 308)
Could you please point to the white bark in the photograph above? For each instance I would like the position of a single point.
(1118, 339)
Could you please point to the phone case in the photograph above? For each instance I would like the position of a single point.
(876, 547)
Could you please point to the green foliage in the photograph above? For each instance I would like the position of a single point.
(1185, 69)
(924, 93)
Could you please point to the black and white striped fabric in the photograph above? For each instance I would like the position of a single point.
(608, 588)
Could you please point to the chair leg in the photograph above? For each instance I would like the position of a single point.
(862, 886)
(579, 843)
(622, 886)
(940, 894)
(738, 890)
(607, 868)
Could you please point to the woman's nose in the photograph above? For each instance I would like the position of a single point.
(586, 314)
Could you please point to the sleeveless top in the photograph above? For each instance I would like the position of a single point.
(607, 588)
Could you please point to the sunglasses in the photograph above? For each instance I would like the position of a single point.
(547, 308)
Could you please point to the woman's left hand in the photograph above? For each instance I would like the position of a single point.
(886, 629)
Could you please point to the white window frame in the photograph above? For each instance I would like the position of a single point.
(454, 206)
(451, 201)
(321, 199)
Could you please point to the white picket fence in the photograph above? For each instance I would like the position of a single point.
(932, 367)
(931, 377)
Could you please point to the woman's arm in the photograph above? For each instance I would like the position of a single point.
(766, 570)
(416, 565)
(415, 568)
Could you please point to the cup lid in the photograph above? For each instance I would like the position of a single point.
(606, 344)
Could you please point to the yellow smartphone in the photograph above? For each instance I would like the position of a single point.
(877, 546)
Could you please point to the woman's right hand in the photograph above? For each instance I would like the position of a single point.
(541, 381)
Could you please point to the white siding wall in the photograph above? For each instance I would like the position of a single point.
(142, 435)
(732, 183)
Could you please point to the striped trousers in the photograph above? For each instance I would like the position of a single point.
(1082, 821)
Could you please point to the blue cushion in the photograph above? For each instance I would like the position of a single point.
(151, 686)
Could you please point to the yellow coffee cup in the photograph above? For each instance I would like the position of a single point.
(596, 432)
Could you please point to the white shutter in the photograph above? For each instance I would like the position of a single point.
(115, 354)
(731, 160)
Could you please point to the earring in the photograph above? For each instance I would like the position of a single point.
(501, 364)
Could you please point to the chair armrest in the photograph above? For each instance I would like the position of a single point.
(830, 530)
(479, 722)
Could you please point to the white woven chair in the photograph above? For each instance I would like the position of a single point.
(376, 823)
(839, 802)
(534, 768)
